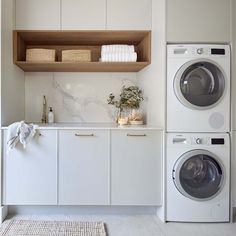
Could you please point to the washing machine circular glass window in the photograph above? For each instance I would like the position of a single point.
(198, 175)
(199, 84)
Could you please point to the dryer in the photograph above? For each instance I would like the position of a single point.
(198, 88)
(198, 177)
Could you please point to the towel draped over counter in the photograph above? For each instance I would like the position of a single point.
(19, 132)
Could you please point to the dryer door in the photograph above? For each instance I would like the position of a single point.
(200, 84)
(198, 175)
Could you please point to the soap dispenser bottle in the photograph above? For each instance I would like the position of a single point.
(50, 116)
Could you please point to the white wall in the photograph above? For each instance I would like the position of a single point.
(152, 78)
(233, 36)
(12, 80)
(233, 143)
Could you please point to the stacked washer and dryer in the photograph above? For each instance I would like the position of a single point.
(198, 126)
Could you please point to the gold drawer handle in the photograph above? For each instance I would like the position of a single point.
(136, 135)
(84, 135)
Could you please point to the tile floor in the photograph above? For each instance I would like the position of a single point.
(146, 225)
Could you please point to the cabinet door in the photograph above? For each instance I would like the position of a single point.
(30, 175)
(83, 14)
(129, 14)
(136, 167)
(84, 167)
(198, 21)
(38, 14)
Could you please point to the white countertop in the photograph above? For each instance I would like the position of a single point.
(61, 126)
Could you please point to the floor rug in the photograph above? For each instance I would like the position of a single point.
(51, 228)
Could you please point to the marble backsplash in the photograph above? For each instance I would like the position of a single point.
(74, 97)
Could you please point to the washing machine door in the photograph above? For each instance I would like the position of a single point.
(198, 175)
(200, 84)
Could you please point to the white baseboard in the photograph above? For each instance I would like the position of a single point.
(82, 210)
(161, 213)
(3, 213)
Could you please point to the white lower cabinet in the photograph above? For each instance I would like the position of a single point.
(84, 167)
(30, 175)
(136, 167)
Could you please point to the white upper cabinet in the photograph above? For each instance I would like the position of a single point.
(198, 21)
(136, 167)
(84, 167)
(129, 14)
(83, 14)
(38, 14)
(30, 175)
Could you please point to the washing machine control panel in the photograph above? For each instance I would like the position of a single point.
(207, 141)
(198, 141)
(200, 51)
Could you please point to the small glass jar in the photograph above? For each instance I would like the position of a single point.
(123, 117)
(136, 117)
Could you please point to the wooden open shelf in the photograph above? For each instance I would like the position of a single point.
(93, 40)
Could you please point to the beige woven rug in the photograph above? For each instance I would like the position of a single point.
(51, 228)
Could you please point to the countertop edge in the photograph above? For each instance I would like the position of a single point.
(145, 127)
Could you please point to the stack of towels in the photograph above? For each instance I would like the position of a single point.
(118, 53)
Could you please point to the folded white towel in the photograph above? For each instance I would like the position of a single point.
(113, 48)
(19, 131)
(119, 57)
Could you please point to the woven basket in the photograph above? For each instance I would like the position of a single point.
(40, 55)
(76, 55)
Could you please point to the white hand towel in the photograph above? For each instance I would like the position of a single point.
(20, 131)
(119, 57)
(115, 48)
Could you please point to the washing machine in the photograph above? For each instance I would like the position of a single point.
(198, 177)
(198, 88)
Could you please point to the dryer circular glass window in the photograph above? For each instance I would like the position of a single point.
(199, 84)
(198, 175)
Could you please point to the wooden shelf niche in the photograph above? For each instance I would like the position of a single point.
(93, 40)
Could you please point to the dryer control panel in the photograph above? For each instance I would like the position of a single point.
(199, 51)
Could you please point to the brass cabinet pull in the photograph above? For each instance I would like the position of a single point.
(136, 135)
(84, 135)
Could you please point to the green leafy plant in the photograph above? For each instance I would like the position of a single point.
(130, 98)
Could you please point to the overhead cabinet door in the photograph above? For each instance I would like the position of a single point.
(30, 175)
(83, 14)
(38, 14)
(198, 21)
(129, 14)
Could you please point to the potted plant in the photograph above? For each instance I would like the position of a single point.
(129, 99)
